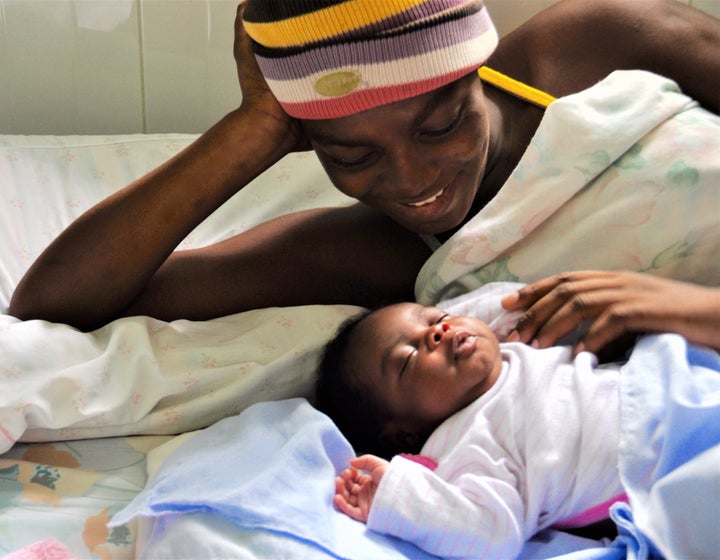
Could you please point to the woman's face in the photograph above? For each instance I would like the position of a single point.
(423, 364)
(419, 160)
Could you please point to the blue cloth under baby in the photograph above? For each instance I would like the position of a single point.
(271, 468)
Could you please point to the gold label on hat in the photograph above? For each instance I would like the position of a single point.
(338, 83)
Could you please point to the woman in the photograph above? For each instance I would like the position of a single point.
(118, 259)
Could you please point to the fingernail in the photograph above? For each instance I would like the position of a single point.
(513, 337)
(535, 343)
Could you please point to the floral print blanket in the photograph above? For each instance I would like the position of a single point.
(624, 175)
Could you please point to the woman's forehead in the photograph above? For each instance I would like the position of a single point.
(404, 113)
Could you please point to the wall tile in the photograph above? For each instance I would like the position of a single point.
(113, 66)
(712, 7)
(190, 79)
(509, 14)
(74, 67)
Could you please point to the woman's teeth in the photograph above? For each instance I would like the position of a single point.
(430, 200)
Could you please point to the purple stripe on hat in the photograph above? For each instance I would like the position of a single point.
(376, 50)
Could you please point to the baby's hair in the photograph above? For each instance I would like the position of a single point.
(341, 394)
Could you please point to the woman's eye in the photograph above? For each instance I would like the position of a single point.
(351, 163)
(444, 131)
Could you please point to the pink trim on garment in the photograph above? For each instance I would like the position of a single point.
(421, 460)
(590, 516)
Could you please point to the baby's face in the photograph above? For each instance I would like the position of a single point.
(424, 364)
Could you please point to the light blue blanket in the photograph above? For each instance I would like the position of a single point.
(270, 470)
(670, 447)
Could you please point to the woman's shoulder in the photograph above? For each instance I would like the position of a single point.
(573, 44)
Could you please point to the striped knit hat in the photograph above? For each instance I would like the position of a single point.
(330, 58)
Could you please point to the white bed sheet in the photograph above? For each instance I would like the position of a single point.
(136, 375)
(139, 375)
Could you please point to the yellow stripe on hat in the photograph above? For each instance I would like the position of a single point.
(326, 22)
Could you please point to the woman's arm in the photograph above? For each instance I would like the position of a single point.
(575, 43)
(103, 260)
(96, 268)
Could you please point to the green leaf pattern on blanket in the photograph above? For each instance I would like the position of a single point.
(631, 159)
(682, 175)
(675, 252)
(59, 478)
(496, 271)
(11, 486)
(593, 163)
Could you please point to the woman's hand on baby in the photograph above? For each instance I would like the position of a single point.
(355, 487)
(256, 95)
(614, 304)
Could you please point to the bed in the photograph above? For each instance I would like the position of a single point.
(157, 378)
(182, 439)
(190, 439)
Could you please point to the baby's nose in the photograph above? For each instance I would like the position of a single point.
(439, 331)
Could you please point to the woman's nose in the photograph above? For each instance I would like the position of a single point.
(412, 173)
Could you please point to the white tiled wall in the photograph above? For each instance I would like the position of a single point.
(117, 66)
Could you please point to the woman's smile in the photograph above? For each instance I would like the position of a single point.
(436, 212)
(427, 201)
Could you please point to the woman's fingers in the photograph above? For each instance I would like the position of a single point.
(528, 295)
(607, 328)
(556, 305)
(256, 95)
(612, 305)
(587, 305)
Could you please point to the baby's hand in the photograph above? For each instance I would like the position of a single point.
(355, 487)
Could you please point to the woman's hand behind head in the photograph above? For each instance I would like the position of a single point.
(257, 97)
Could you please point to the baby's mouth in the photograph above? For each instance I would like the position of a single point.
(463, 344)
(427, 201)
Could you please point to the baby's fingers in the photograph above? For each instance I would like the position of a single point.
(347, 508)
